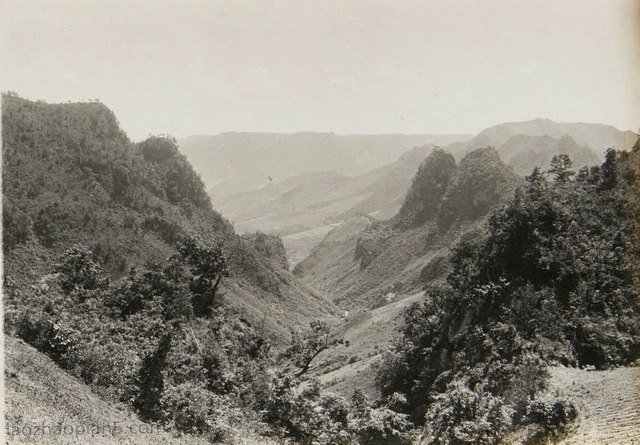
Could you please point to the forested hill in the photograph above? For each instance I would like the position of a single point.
(117, 268)
(71, 176)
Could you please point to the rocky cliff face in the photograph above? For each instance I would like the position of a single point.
(427, 189)
(271, 247)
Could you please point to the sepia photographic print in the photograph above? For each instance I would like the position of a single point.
(320, 222)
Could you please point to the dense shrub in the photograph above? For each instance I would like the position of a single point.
(149, 381)
(47, 335)
(51, 223)
(77, 271)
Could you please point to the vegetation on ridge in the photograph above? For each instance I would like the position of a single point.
(550, 282)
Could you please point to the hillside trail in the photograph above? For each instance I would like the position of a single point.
(608, 404)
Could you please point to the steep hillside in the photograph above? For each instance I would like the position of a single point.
(71, 176)
(362, 268)
(371, 334)
(117, 268)
(491, 354)
(633, 199)
(233, 162)
(549, 282)
(40, 394)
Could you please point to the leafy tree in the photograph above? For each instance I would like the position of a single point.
(609, 170)
(304, 349)
(78, 271)
(208, 266)
(561, 168)
(139, 289)
(379, 424)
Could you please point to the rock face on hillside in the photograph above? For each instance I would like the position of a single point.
(428, 188)
(270, 247)
(385, 259)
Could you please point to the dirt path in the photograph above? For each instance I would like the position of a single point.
(608, 404)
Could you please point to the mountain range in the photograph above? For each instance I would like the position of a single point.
(234, 162)
(596, 137)
(305, 206)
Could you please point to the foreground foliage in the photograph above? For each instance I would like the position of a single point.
(141, 341)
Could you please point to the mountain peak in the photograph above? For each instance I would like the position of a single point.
(481, 182)
(427, 189)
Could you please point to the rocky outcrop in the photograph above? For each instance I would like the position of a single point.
(427, 189)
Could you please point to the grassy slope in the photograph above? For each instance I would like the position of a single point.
(323, 269)
(396, 271)
(370, 334)
(608, 404)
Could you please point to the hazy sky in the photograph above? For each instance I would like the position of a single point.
(203, 67)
